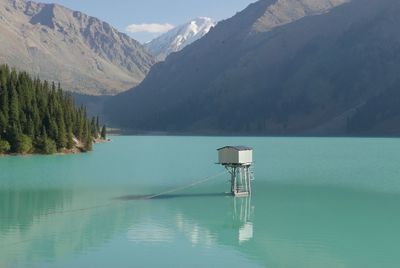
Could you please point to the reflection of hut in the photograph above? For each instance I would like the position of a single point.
(242, 214)
(238, 160)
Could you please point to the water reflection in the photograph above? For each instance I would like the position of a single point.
(155, 228)
(150, 232)
(323, 226)
(243, 212)
(19, 209)
(39, 226)
(80, 221)
(294, 226)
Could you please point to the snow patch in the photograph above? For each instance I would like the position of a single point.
(180, 37)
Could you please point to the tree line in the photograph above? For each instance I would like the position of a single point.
(38, 117)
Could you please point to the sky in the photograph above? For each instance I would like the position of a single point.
(146, 19)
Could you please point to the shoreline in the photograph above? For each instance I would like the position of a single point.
(75, 150)
(127, 132)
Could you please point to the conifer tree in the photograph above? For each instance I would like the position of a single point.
(36, 116)
(70, 140)
(89, 143)
(61, 135)
(47, 145)
(4, 100)
(14, 107)
(93, 128)
(97, 125)
(87, 136)
(3, 123)
(30, 129)
(104, 132)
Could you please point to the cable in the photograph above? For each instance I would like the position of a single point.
(195, 183)
(186, 186)
(143, 198)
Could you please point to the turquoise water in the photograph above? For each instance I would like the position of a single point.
(317, 202)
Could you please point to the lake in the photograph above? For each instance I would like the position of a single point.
(317, 202)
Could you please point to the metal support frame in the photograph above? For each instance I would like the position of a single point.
(241, 178)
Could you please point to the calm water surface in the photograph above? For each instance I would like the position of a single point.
(318, 202)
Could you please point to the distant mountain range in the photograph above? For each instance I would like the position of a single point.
(179, 37)
(84, 53)
(277, 67)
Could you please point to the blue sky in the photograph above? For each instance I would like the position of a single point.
(161, 13)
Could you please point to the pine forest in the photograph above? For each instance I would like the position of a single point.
(37, 117)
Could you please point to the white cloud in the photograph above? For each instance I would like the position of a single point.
(149, 28)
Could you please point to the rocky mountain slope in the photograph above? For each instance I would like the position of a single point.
(279, 67)
(179, 37)
(84, 53)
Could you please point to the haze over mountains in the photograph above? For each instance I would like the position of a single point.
(179, 37)
(85, 54)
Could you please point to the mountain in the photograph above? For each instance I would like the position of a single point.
(84, 53)
(279, 67)
(180, 37)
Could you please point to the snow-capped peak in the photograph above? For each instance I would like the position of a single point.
(179, 37)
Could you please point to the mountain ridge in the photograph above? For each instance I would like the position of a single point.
(304, 77)
(84, 53)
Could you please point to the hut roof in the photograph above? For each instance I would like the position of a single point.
(238, 148)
